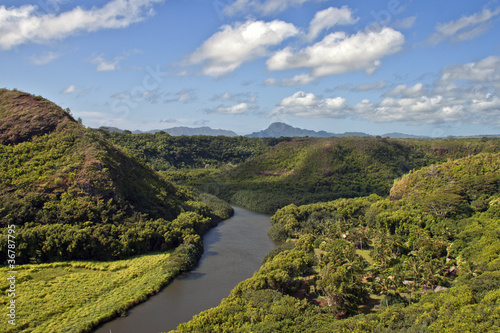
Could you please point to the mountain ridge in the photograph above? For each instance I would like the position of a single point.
(275, 130)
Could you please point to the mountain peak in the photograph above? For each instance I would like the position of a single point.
(25, 116)
(278, 129)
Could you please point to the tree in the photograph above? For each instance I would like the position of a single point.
(341, 291)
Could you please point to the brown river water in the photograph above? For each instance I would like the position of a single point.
(233, 251)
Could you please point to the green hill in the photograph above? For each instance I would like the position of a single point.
(311, 170)
(72, 194)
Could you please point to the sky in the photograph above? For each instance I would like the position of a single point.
(424, 67)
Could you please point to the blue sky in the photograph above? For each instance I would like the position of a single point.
(419, 67)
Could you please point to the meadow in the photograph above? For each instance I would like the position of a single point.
(75, 296)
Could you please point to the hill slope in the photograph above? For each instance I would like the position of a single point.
(321, 169)
(74, 195)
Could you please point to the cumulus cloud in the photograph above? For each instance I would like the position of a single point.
(463, 93)
(26, 24)
(465, 28)
(267, 7)
(329, 18)
(483, 71)
(229, 48)
(466, 93)
(240, 108)
(302, 104)
(339, 53)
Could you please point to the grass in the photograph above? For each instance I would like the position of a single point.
(77, 296)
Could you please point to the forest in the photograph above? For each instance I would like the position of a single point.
(428, 254)
(377, 234)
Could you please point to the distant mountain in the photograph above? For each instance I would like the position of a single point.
(402, 136)
(181, 130)
(276, 130)
(281, 129)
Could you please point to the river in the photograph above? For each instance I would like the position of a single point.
(233, 251)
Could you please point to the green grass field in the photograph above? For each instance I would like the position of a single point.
(75, 296)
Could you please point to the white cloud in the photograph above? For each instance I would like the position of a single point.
(73, 89)
(465, 28)
(418, 110)
(267, 7)
(168, 121)
(183, 96)
(402, 90)
(302, 104)
(405, 23)
(339, 53)
(482, 71)
(44, 58)
(238, 97)
(379, 85)
(229, 48)
(328, 18)
(467, 93)
(233, 109)
(296, 80)
(26, 24)
(104, 65)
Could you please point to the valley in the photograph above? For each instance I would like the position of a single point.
(361, 220)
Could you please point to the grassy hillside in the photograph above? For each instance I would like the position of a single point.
(74, 195)
(440, 227)
(311, 170)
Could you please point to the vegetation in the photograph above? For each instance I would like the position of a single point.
(74, 195)
(434, 250)
(267, 174)
(354, 235)
(76, 296)
(70, 194)
(164, 152)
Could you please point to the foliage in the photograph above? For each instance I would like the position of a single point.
(74, 195)
(431, 232)
(53, 295)
(164, 152)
